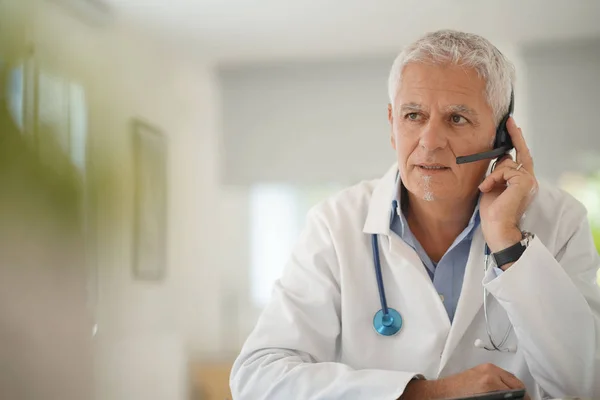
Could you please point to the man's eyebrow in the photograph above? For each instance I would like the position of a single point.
(461, 109)
(411, 107)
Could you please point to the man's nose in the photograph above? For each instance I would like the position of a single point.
(434, 135)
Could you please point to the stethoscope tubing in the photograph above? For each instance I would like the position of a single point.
(385, 309)
(378, 276)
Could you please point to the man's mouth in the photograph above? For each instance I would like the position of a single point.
(432, 167)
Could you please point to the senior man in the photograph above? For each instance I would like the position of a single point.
(441, 279)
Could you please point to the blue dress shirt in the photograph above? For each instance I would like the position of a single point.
(447, 275)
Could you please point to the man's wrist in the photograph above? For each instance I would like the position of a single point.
(418, 389)
(506, 257)
(504, 239)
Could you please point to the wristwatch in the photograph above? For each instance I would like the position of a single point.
(512, 253)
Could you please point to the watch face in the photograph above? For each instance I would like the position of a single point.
(527, 237)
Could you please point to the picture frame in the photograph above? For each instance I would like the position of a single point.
(150, 201)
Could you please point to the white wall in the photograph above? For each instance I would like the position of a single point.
(564, 88)
(306, 122)
(147, 330)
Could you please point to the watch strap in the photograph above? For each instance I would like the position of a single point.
(512, 253)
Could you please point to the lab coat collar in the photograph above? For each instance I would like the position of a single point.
(378, 217)
(399, 196)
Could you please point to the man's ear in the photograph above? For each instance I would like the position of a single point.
(390, 115)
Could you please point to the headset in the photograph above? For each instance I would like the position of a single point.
(502, 142)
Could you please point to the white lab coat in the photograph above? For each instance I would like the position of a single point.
(315, 339)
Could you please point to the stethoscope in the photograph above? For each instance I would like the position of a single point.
(388, 322)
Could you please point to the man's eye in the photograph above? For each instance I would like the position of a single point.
(412, 116)
(458, 119)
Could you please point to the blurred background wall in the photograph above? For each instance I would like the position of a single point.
(267, 107)
(564, 88)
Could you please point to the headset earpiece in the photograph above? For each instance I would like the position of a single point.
(502, 136)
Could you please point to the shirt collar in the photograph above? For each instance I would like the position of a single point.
(396, 207)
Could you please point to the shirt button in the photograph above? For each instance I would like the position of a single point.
(442, 297)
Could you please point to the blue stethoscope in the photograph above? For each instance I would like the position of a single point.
(388, 322)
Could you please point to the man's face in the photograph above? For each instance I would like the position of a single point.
(439, 113)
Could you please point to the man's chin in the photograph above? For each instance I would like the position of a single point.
(427, 194)
(434, 191)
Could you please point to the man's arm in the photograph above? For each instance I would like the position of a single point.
(291, 353)
(553, 303)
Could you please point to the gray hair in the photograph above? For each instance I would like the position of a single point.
(465, 49)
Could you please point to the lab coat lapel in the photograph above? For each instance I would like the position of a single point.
(378, 216)
(471, 297)
(401, 253)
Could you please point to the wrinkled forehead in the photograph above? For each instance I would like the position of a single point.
(448, 86)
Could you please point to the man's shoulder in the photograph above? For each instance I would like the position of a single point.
(554, 201)
(554, 207)
(348, 204)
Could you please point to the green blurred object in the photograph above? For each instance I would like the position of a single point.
(595, 222)
(596, 235)
(29, 181)
(39, 180)
(586, 189)
(45, 182)
(594, 183)
(594, 188)
(44, 276)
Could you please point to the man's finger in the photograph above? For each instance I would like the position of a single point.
(510, 380)
(523, 153)
(500, 175)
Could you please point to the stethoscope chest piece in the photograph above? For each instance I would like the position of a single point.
(387, 325)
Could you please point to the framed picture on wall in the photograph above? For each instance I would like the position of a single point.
(150, 202)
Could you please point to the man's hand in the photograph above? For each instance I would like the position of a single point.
(507, 192)
(481, 379)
